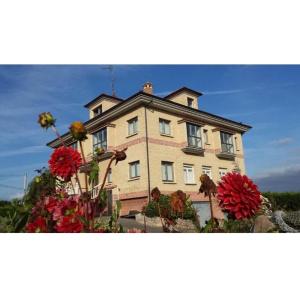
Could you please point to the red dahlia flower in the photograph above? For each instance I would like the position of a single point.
(37, 226)
(64, 162)
(69, 224)
(50, 203)
(238, 195)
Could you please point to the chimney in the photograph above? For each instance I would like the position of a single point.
(148, 88)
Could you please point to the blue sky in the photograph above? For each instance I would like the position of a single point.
(266, 97)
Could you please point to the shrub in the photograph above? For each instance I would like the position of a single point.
(151, 209)
(238, 226)
(288, 201)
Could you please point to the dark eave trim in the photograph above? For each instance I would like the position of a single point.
(100, 97)
(183, 89)
(141, 99)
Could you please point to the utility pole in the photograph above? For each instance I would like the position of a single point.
(111, 69)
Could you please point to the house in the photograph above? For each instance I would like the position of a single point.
(170, 141)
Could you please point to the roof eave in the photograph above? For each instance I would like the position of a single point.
(198, 94)
(141, 99)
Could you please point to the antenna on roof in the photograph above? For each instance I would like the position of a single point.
(111, 69)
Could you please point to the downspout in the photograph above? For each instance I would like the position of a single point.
(147, 152)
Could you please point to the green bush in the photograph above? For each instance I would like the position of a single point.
(238, 226)
(287, 201)
(151, 209)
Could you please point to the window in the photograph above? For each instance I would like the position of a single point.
(190, 102)
(134, 169)
(194, 135)
(167, 171)
(188, 174)
(164, 127)
(226, 142)
(97, 111)
(132, 126)
(205, 136)
(74, 146)
(222, 172)
(100, 139)
(207, 170)
(109, 176)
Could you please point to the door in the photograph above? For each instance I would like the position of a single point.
(203, 211)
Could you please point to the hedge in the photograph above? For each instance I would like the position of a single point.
(288, 201)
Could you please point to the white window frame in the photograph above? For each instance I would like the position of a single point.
(136, 168)
(132, 126)
(97, 141)
(207, 170)
(226, 142)
(109, 176)
(188, 169)
(222, 172)
(163, 124)
(165, 165)
(194, 137)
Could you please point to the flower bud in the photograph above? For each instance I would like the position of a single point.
(99, 151)
(120, 155)
(46, 120)
(78, 131)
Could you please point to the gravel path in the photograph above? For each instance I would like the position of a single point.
(129, 223)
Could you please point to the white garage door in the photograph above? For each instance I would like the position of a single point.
(203, 211)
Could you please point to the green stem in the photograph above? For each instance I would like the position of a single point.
(53, 127)
(84, 162)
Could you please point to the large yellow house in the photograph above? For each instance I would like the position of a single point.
(170, 144)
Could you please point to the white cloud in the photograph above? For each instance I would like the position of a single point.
(24, 150)
(282, 141)
(223, 92)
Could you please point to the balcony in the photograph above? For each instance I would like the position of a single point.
(86, 168)
(193, 150)
(227, 152)
(226, 155)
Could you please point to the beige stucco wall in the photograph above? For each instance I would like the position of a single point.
(106, 104)
(181, 98)
(173, 153)
(161, 148)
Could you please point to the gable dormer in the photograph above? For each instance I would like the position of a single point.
(101, 104)
(185, 96)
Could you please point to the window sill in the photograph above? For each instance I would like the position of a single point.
(134, 178)
(166, 135)
(169, 182)
(190, 183)
(128, 136)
